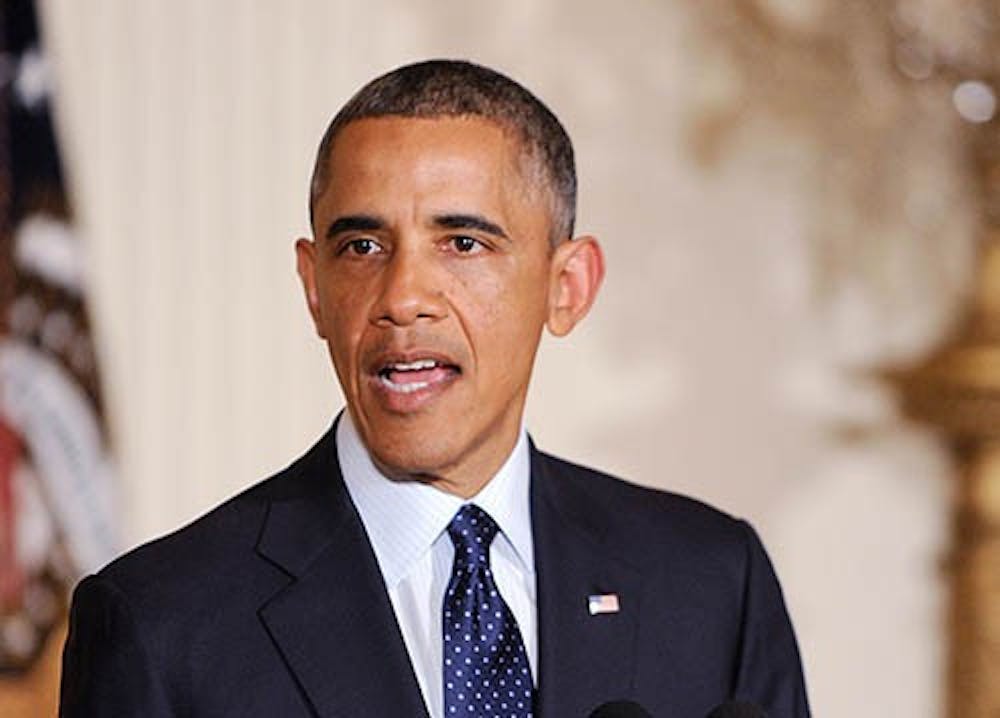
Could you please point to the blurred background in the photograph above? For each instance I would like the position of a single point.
(799, 201)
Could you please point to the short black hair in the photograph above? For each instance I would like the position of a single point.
(457, 88)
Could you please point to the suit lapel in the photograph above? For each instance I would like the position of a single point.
(333, 624)
(584, 660)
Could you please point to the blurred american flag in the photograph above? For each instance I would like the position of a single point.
(56, 519)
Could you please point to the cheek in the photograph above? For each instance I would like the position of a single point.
(344, 319)
(503, 309)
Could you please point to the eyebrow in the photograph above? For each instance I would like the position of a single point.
(470, 221)
(355, 223)
(371, 223)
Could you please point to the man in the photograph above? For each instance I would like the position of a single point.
(424, 558)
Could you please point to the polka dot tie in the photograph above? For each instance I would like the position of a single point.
(486, 670)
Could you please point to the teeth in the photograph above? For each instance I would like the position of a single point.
(414, 365)
(404, 388)
(399, 368)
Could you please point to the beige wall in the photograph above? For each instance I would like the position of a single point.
(190, 126)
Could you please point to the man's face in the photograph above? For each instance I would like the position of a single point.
(429, 280)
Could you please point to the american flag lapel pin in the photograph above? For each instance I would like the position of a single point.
(602, 603)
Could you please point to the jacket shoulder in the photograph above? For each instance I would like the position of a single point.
(217, 550)
(619, 495)
(676, 527)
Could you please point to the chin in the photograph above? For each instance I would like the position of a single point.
(414, 453)
(412, 460)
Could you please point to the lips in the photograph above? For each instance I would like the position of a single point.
(410, 381)
(411, 376)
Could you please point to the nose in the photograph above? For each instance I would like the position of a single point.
(409, 291)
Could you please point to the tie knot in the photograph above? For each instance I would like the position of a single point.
(472, 531)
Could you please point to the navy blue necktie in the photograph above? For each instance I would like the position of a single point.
(486, 671)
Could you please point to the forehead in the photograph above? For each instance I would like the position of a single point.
(403, 156)
(464, 132)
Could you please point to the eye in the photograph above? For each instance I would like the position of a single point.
(362, 246)
(466, 245)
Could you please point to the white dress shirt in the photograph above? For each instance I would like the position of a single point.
(406, 522)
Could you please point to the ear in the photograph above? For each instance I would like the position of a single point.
(305, 263)
(577, 270)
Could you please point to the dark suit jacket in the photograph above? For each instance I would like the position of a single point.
(273, 605)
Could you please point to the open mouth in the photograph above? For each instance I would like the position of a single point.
(412, 376)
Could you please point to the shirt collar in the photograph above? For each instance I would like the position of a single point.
(404, 518)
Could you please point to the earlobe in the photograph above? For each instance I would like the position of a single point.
(577, 274)
(305, 263)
